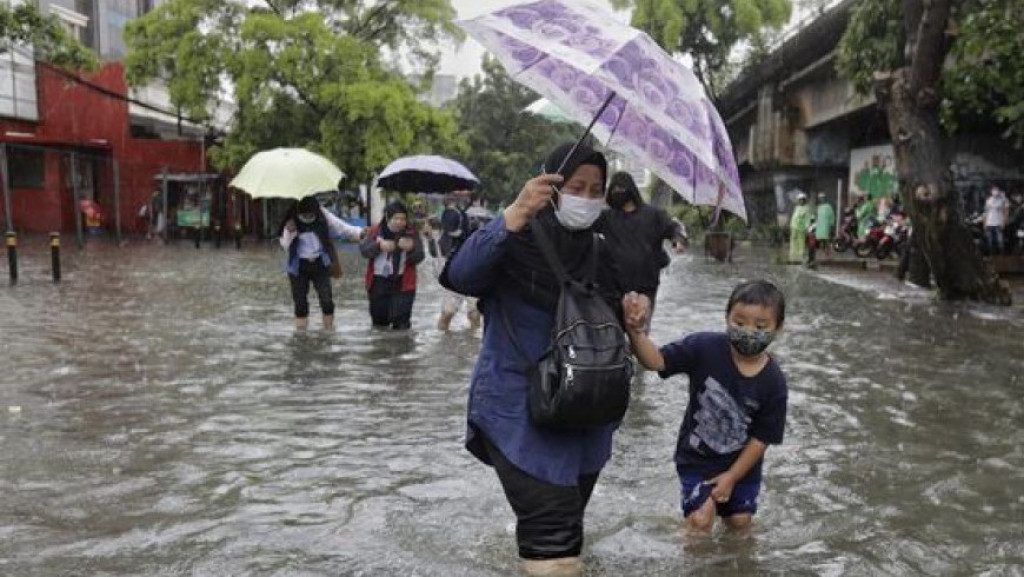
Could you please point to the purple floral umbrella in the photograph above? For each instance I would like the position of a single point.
(635, 97)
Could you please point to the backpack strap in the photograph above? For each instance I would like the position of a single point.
(546, 248)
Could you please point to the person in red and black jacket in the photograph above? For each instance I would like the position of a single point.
(393, 249)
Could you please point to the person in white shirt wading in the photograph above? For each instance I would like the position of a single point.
(306, 234)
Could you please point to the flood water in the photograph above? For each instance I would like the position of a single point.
(160, 416)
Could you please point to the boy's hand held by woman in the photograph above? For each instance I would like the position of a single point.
(635, 309)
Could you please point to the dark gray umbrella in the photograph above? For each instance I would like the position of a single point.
(426, 173)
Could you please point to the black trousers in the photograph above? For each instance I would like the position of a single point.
(389, 306)
(549, 518)
(316, 273)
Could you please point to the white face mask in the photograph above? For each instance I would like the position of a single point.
(577, 213)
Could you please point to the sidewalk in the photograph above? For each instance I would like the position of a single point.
(1006, 266)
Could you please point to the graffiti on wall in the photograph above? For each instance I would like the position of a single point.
(873, 172)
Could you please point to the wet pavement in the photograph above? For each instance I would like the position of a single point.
(160, 416)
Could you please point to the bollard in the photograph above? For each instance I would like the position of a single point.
(238, 236)
(216, 236)
(55, 255)
(198, 236)
(12, 255)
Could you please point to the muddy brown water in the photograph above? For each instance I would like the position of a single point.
(159, 416)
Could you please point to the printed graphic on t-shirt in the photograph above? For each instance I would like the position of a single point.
(721, 423)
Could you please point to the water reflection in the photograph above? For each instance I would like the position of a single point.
(172, 422)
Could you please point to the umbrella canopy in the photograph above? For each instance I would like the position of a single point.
(640, 101)
(479, 212)
(287, 173)
(426, 173)
(546, 109)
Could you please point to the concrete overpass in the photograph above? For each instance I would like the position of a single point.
(796, 126)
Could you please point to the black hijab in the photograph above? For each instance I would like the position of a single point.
(383, 230)
(623, 181)
(526, 270)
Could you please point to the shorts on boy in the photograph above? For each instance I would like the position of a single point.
(694, 492)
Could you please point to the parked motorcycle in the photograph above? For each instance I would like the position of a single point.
(867, 246)
(893, 239)
(847, 232)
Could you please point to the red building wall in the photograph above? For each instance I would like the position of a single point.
(76, 117)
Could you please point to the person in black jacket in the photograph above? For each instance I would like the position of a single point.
(636, 232)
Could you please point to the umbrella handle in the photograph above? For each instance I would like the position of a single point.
(575, 147)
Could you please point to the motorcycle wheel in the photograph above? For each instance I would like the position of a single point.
(840, 245)
(864, 249)
(883, 251)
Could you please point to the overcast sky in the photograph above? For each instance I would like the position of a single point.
(465, 61)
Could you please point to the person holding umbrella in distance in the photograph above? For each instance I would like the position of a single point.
(306, 233)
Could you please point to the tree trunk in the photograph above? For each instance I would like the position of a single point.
(920, 273)
(911, 97)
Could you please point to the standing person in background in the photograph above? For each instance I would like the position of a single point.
(798, 223)
(997, 213)
(865, 215)
(393, 249)
(636, 232)
(305, 234)
(456, 226)
(824, 224)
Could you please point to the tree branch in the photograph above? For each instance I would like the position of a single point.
(373, 14)
(274, 7)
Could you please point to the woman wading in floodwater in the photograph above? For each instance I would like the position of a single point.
(548, 475)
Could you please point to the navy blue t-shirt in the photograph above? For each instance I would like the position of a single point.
(726, 408)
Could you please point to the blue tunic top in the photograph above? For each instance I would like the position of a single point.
(498, 392)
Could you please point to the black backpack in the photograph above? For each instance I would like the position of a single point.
(583, 379)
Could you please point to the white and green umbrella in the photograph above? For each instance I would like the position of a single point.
(546, 109)
(287, 173)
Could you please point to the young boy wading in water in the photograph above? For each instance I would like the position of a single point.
(737, 402)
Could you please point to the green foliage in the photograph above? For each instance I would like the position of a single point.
(982, 80)
(708, 30)
(23, 24)
(873, 41)
(986, 77)
(302, 73)
(506, 146)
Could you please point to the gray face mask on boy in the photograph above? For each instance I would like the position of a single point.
(750, 342)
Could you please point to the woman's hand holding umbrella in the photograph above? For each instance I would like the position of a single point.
(535, 194)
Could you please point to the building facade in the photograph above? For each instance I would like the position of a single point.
(70, 138)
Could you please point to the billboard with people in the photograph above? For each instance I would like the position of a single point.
(873, 172)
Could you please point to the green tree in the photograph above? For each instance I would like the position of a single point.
(505, 145)
(708, 30)
(898, 49)
(982, 80)
(984, 77)
(24, 25)
(300, 73)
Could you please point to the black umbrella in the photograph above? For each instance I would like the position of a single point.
(426, 173)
